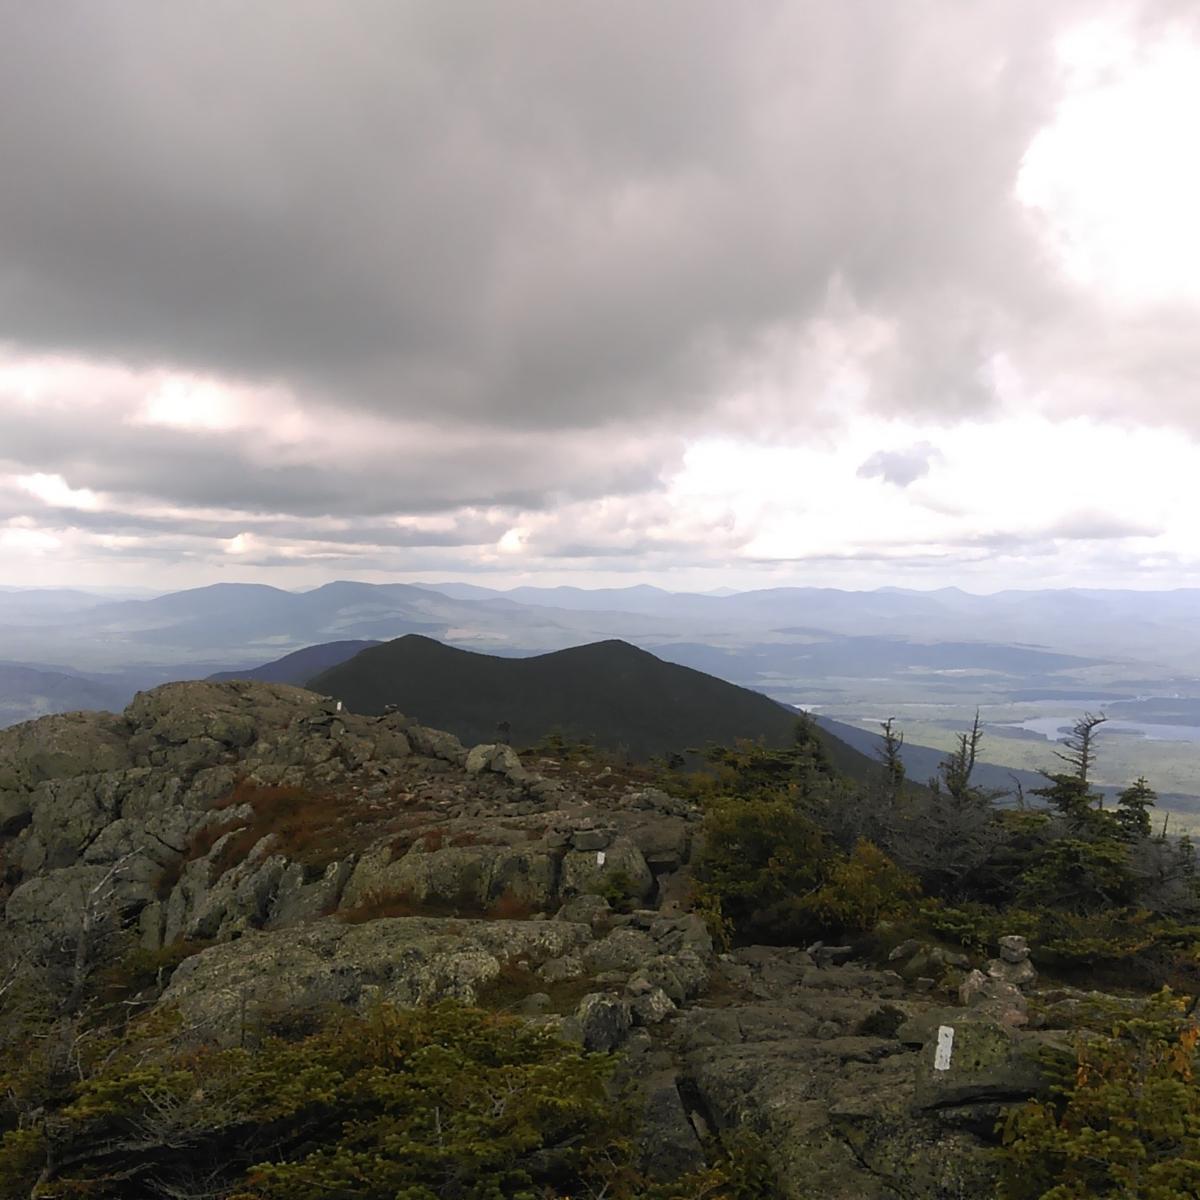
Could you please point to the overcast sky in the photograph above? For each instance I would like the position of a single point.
(701, 294)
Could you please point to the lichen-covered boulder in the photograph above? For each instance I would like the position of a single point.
(973, 1059)
(649, 1004)
(55, 903)
(436, 743)
(304, 895)
(664, 841)
(499, 758)
(61, 747)
(58, 748)
(604, 1020)
(995, 998)
(407, 961)
(475, 876)
(188, 726)
(835, 1114)
(668, 1144)
(622, 950)
(590, 909)
(619, 864)
(682, 976)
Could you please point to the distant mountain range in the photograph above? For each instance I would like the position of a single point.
(234, 624)
(243, 623)
(1084, 621)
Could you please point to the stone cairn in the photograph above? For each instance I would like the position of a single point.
(999, 989)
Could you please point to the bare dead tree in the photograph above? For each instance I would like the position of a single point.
(1018, 790)
(98, 920)
(956, 771)
(1079, 748)
(889, 755)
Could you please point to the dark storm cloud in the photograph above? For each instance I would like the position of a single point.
(462, 529)
(413, 473)
(532, 214)
(475, 280)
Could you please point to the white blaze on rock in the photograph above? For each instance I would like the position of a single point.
(600, 856)
(945, 1048)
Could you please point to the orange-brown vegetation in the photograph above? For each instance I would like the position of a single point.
(437, 838)
(517, 980)
(310, 827)
(510, 907)
(375, 905)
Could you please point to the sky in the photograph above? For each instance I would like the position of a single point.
(837, 292)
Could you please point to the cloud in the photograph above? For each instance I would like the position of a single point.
(407, 286)
(1100, 526)
(272, 453)
(539, 217)
(55, 491)
(900, 467)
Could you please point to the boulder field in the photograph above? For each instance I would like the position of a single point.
(315, 858)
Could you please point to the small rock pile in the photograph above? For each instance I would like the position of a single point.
(999, 989)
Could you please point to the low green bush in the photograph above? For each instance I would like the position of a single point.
(448, 1103)
(861, 890)
(1124, 1120)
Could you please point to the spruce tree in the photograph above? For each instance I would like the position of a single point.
(1069, 791)
(1133, 809)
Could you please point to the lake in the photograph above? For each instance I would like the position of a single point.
(1054, 728)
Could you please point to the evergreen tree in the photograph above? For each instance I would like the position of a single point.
(1069, 791)
(811, 745)
(1186, 854)
(802, 771)
(1079, 750)
(1133, 809)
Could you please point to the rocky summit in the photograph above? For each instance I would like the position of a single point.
(310, 858)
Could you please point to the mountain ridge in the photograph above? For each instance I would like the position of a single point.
(663, 708)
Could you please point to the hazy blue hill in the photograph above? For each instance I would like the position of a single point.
(299, 666)
(641, 598)
(29, 692)
(230, 621)
(464, 591)
(890, 631)
(611, 692)
(900, 612)
(24, 607)
(1157, 625)
(215, 600)
(13, 600)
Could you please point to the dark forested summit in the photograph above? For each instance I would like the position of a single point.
(613, 693)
